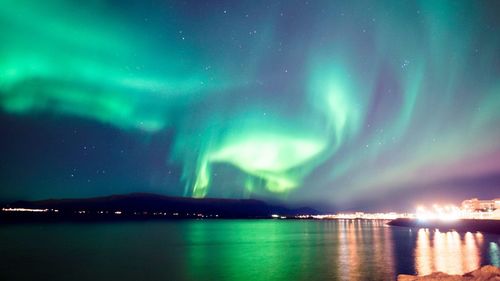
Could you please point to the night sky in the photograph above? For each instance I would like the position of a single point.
(357, 104)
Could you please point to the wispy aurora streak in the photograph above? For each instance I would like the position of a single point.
(345, 99)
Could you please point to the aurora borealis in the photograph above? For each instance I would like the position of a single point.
(328, 101)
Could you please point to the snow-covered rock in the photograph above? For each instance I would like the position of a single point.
(485, 273)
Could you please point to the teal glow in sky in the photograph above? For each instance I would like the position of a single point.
(291, 100)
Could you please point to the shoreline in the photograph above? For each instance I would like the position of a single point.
(487, 272)
(461, 225)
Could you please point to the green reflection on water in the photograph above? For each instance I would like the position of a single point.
(494, 254)
(290, 250)
(256, 250)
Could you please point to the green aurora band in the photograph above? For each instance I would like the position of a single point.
(319, 107)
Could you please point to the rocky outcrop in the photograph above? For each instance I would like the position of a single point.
(485, 273)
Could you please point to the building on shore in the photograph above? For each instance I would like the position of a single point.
(475, 204)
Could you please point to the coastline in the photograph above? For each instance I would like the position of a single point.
(461, 225)
(487, 272)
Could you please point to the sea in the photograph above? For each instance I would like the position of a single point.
(236, 250)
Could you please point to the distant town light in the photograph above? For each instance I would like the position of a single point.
(26, 210)
(362, 215)
(446, 213)
(470, 209)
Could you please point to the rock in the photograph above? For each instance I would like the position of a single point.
(485, 273)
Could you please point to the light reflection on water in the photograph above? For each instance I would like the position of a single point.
(448, 252)
(494, 254)
(365, 247)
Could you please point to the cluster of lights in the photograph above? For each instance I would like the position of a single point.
(443, 213)
(28, 210)
(303, 217)
(278, 217)
(117, 212)
(358, 215)
(370, 216)
(451, 213)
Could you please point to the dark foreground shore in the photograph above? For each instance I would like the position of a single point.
(463, 225)
(485, 273)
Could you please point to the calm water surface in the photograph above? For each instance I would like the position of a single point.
(236, 250)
